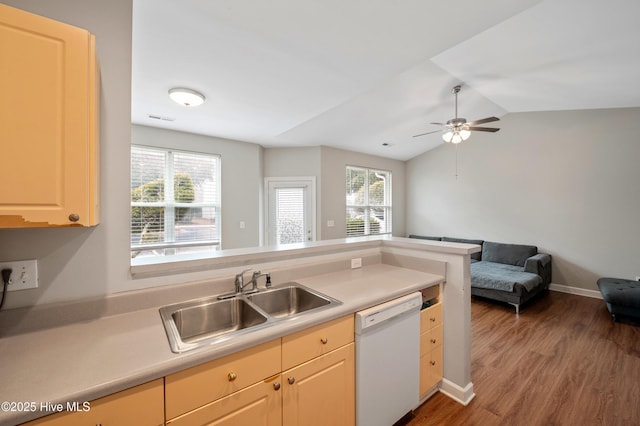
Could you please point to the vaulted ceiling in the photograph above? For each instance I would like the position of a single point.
(356, 74)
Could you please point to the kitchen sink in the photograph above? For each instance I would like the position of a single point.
(288, 301)
(207, 320)
(201, 322)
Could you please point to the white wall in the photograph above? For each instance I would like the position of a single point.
(564, 181)
(241, 178)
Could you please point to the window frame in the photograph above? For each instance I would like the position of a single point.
(367, 206)
(170, 205)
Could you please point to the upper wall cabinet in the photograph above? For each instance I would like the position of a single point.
(49, 123)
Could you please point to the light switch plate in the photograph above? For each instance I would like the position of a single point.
(24, 274)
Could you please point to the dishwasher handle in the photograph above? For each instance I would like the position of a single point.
(378, 314)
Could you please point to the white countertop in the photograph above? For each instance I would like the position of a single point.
(87, 360)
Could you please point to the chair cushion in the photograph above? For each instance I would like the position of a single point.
(620, 291)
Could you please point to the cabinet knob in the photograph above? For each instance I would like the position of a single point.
(73, 217)
(291, 380)
(324, 340)
(432, 362)
(276, 385)
(433, 319)
(433, 341)
(232, 376)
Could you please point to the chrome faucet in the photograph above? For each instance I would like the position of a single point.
(239, 281)
(240, 284)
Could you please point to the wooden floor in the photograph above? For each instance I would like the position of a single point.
(562, 361)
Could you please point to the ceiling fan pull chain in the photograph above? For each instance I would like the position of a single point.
(456, 147)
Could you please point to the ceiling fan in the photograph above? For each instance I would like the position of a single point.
(457, 129)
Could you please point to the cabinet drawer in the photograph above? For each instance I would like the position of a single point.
(202, 384)
(430, 317)
(431, 339)
(430, 370)
(140, 405)
(315, 341)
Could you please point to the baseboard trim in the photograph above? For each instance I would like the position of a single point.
(458, 394)
(575, 290)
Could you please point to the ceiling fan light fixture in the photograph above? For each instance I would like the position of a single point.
(455, 135)
(186, 97)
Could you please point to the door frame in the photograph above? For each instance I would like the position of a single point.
(299, 180)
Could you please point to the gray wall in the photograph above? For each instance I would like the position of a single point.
(564, 181)
(241, 178)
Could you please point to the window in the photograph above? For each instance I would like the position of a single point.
(174, 219)
(368, 201)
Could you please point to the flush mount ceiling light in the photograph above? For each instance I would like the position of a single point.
(186, 97)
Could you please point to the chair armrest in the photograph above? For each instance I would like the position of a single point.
(539, 264)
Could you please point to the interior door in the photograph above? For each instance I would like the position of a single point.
(290, 210)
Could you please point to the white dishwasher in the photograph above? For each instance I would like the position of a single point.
(387, 361)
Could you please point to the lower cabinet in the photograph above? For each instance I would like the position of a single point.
(257, 404)
(321, 391)
(314, 383)
(141, 405)
(430, 348)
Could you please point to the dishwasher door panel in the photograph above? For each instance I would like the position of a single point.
(388, 370)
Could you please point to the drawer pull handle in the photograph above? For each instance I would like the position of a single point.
(232, 376)
(433, 341)
(324, 340)
(291, 380)
(432, 362)
(276, 385)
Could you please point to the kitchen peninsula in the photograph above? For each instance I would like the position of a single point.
(85, 358)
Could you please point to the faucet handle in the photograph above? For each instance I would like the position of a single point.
(240, 276)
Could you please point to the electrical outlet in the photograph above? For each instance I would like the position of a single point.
(24, 274)
(356, 263)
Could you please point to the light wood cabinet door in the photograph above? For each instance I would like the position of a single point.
(48, 123)
(141, 405)
(321, 391)
(259, 404)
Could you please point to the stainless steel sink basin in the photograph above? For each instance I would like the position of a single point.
(204, 320)
(288, 301)
(201, 322)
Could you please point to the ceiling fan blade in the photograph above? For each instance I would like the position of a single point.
(428, 133)
(438, 124)
(482, 129)
(483, 120)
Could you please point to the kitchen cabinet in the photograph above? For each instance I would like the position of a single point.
(305, 378)
(49, 119)
(258, 404)
(321, 391)
(203, 384)
(141, 405)
(319, 377)
(430, 348)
